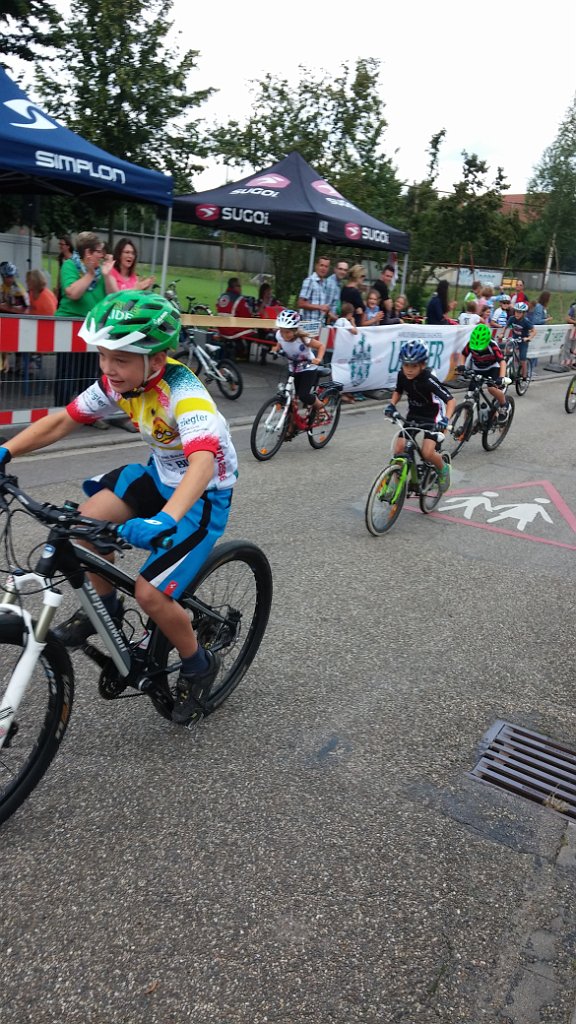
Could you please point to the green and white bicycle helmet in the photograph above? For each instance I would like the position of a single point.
(480, 338)
(134, 321)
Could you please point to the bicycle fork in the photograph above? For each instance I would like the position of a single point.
(34, 644)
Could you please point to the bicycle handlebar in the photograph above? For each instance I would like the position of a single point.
(405, 424)
(100, 532)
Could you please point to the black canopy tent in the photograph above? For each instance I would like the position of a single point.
(39, 156)
(289, 200)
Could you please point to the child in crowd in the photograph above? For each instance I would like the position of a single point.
(299, 348)
(372, 314)
(429, 401)
(500, 315)
(470, 316)
(346, 318)
(488, 359)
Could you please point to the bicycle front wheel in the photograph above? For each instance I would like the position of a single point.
(522, 383)
(269, 429)
(320, 433)
(495, 432)
(386, 499)
(570, 397)
(41, 718)
(232, 384)
(234, 594)
(460, 428)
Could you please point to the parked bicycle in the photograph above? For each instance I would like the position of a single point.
(479, 413)
(570, 397)
(208, 359)
(513, 368)
(228, 601)
(281, 420)
(406, 475)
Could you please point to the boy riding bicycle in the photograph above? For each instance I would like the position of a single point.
(521, 330)
(184, 491)
(488, 360)
(429, 401)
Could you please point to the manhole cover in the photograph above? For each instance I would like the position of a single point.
(530, 765)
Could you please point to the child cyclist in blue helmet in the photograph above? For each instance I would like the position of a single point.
(184, 490)
(429, 401)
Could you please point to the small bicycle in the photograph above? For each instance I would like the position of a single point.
(513, 364)
(570, 396)
(208, 359)
(407, 474)
(280, 420)
(478, 413)
(228, 602)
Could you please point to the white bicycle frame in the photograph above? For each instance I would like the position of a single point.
(289, 391)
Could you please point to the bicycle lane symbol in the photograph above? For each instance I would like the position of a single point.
(484, 510)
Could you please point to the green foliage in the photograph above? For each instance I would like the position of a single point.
(27, 28)
(115, 81)
(552, 195)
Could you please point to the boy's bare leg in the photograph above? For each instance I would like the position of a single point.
(104, 505)
(169, 616)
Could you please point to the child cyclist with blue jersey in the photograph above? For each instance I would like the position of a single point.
(185, 489)
(429, 401)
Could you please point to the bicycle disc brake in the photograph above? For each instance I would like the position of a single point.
(215, 634)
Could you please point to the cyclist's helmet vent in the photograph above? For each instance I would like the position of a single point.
(480, 338)
(133, 320)
(414, 351)
(8, 269)
(522, 307)
(289, 319)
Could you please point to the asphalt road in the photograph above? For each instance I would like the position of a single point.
(316, 852)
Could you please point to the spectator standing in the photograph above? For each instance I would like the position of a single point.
(313, 300)
(334, 287)
(13, 295)
(373, 314)
(383, 284)
(346, 318)
(469, 318)
(571, 319)
(474, 294)
(400, 308)
(125, 257)
(539, 314)
(439, 307)
(65, 252)
(519, 294)
(233, 303)
(85, 279)
(42, 300)
(500, 314)
(352, 291)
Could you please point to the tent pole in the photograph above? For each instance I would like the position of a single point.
(166, 250)
(154, 246)
(404, 274)
(312, 256)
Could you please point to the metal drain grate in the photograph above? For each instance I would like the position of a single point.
(533, 766)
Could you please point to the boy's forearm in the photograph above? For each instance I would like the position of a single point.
(42, 433)
(192, 486)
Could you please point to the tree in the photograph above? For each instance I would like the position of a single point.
(116, 81)
(552, 195)
(324, 119)
(27, 27)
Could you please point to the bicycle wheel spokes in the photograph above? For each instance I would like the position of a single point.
(320, 433)
(385, 500)
(522, 384)
(40, 720)
(231, 384)
(570, 399)
(495, 432)
(430, 490)
(269, 429)
(461, 425)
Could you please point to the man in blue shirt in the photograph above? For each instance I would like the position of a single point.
(313, 301)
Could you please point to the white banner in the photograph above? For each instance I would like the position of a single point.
(368, 360)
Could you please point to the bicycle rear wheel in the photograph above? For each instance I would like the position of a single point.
(235, 590)
(570, 397)
(41, 718)
(385, 499)
(269, 429)
(232, 385)
(520, 383)
(461, 427)
(320, 433)
(430, 490)
(495, 432)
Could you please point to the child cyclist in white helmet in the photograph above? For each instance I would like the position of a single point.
(429, 401)
(185, 489)
(299, 348)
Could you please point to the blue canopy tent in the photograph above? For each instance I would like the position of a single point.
(39, 156)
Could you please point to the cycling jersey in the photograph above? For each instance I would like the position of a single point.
(298, 353)
(487, 359)
(520, 328)
(175, 415)
(426, 395)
